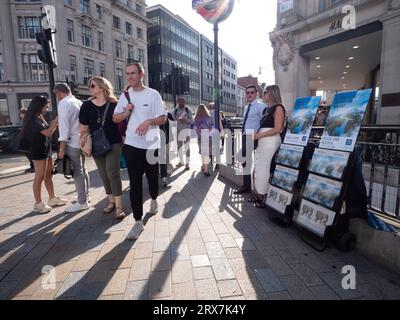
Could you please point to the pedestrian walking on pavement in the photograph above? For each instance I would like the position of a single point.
(69, 138)
(38, 132)
(94, 112)
(204, 127)
(164, 150)
(269, 140)
(215, 155)
(142, 141)
(183, 116)
(253, 113)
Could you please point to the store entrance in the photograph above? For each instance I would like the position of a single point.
(349, 63)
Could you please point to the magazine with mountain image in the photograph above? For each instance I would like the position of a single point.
(285, 177)
(322, 190)
(289, 155)
(344, 120)
(301, 120)
(329, 163)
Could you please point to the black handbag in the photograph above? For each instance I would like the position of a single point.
(100, 143)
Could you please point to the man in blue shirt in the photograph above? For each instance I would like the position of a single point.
(251, 124)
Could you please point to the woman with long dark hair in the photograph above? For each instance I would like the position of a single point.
(37, 132)
(91, 116)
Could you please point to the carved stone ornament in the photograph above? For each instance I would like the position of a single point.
(394, 5)
(283, 48)
(87, 20)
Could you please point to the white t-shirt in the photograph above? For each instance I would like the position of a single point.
(148, 105)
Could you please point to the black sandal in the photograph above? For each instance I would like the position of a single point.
(260, 204)
(254, 199)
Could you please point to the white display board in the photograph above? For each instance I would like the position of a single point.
(314, 217)
(301, 120)
(344, 120)
(278, 199)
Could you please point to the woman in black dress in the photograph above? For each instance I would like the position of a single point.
(90, 117)
(37, 132)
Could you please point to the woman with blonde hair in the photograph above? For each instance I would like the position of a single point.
(204, 121)
(269, 140)
(95, 113)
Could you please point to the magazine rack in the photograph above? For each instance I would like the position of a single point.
(337, 232)
(284, 217)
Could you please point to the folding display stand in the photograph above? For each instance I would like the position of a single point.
(279, 194)
(291, 161)
(320, 223)
(323, 216)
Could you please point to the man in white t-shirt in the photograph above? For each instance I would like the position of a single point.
(142, 141)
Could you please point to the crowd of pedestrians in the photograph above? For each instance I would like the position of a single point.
(94, 128)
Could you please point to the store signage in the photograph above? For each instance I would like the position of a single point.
(336, 25)
(285, 5)
(344, 120)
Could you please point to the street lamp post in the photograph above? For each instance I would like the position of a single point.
(215, 11)
(217, 89)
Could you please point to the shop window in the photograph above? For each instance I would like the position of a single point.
(4, 113)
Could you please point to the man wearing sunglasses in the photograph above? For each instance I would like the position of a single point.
(251, 124)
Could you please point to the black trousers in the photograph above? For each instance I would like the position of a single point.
(137, 166)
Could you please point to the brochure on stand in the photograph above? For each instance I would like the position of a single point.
(289, 155)
(314, 217)
(344, 120)
(322, 190)
(301, 120)
(329, 163)
(285, 177)
(278, 199)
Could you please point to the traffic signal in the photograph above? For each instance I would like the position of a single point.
(183, 83)
(48, 52)
(167, 84)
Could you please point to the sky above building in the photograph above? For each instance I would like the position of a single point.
(244, 35)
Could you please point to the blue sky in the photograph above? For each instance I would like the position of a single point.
(244, 35)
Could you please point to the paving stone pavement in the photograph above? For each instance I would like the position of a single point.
(205, 243)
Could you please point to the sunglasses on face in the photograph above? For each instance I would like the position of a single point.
(250, 92)
(265, 92)
(92, 86)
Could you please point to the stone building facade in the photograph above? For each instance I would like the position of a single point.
(94, 37)
(330, 46)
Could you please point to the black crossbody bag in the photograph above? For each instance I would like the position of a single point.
(100, 143)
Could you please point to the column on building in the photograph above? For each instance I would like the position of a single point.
(292, 70)
(390, 66)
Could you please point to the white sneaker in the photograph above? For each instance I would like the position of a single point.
(136, 230)
(164, 181)
(88, 199)
(41, 207)
(57, 201)
(77, 207)
(153, 207)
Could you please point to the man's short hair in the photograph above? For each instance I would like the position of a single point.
(138, 65)
(62, 87)
(251, 86)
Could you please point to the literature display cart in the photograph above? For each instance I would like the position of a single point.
(322, 214)
(291, 159)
